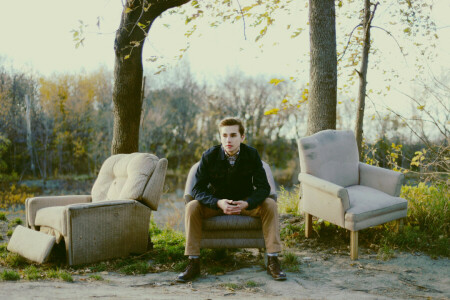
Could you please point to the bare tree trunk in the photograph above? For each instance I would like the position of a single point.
(29, 136)
(137, 18)
(368, 16)
(323, 66)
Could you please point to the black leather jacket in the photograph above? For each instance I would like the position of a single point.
(216, 179)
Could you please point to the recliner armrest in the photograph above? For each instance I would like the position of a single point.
(381, 179)
(100, 204)
(32, 205)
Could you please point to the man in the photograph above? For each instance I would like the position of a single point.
(231, 180)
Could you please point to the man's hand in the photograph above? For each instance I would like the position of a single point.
(241, 204)
(229, 207)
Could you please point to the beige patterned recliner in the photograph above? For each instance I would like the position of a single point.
(231, 231)
(336, 187)
(111, 222)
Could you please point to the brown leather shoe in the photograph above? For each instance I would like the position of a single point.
(274, 269)
(192, 270)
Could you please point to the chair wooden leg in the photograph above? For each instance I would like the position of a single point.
(308, 225)
(354, 245)
(398, 225)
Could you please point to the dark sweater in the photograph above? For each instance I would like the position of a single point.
(217, 179)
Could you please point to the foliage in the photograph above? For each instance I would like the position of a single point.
(10, 275)
(32, 273)
(288, 200)
(3, 216)
(14, 196)
(290, 262)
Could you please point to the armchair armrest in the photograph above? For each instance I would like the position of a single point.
(324, 199)
(32, 205)
(381, 179)
(106, 229)
(106, 203)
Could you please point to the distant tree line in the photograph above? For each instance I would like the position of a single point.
(63, 125)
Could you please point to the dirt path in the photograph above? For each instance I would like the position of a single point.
(321, 277)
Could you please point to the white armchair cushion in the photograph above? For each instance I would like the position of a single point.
(53, 217)
(370, 207)
(331, 155)
(124, 176)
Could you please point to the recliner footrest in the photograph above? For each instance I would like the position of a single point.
(31, 244)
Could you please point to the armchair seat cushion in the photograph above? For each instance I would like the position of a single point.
(53, 217)
(371, 207)
(232, 222)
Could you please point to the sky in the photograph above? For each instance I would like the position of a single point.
(37, 36)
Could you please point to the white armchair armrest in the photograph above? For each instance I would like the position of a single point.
(99, 204)
(32, 205)
(381, 179)
(324, 199)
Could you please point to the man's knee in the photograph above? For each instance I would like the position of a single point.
(192, 207)
(269, 204)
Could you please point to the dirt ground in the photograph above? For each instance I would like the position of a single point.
(321, 276)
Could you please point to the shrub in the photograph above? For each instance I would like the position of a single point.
(3, 216)
(288, 201)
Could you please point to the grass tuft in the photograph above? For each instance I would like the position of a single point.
(32, 273)
(10, 275)
(290, 262)
(3, 216)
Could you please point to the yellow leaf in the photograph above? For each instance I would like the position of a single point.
(127, 10)
(127, 56)
(284, 101)
(275, 81)
(420, 107)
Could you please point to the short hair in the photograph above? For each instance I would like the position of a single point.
(231, 121)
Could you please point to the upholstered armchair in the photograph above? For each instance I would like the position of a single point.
(336, 187)
(231, 231)
(111, 222)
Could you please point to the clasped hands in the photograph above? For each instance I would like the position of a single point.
(230, 207)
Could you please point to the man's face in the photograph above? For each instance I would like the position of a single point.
(231, 138)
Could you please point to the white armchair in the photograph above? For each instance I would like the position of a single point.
(338, 188)
(111, 222)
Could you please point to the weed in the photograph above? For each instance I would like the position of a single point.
(290, 262)
(10, 232)
(32, 273)
(138, 267)
(52, 273)
(99, 267)
(66, 276)
(168, 246)
(288, 201)
(3, 216)
(96, 277)
(385, 253)
(231, 286)
(252, 284)
(17, 221)
(180, 266)
(14, 260)
(9, 275)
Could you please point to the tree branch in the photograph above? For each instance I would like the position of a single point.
(348, 42)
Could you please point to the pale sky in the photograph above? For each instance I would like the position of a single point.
(36, 35)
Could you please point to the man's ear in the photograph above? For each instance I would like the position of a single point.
(242, 137)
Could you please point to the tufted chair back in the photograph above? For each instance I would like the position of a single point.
(136, 176)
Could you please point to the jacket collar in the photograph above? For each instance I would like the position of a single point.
(222, 155)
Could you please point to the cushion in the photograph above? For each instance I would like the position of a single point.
(368, 203)
(124, 176)
(232, 222)
(34, 245)
(53, 217)
(331, 155)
